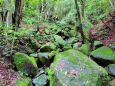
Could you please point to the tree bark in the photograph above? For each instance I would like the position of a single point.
(83, 3)
(17, 16)
(79, 20)
(4, 15)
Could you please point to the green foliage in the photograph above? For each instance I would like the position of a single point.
(97, 9)
(1, 3)
(50, 76)
(59, 40)
(9, 38)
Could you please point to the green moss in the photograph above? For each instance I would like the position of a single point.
(23, 82)
(25, 64)
(104, 53)
(76, 58)
(86, 71)
(84, 49)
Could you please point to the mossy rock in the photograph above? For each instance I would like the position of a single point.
(24, 82)
(111, 69)
(41, 80)
(105, 54)
(73, 68)
(84, 49)
(97, 44)
(43, 57)
(25, 63)
(48, 47)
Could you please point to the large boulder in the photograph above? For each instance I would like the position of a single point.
(25, 63)
(104, 55)
(73, 68)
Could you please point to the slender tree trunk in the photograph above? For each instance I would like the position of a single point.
(79, 20)
(4, 13)
(83, 8)
(17, 16)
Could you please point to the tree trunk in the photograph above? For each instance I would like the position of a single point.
(4, 15)
(17, 16)
(79, 20)
(83, 3)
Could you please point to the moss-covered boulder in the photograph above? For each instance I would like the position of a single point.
(73, 68)
(48, 47)
(104, 54)
(25, 63)
(24, 81)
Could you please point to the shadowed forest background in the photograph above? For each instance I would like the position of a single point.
(57, 43)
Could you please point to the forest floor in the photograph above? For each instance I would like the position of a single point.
(8, 76)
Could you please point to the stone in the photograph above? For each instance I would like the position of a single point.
(73, 68)
(25, 63)
(43, 57)
(104, 54)
(35, 55)
(111, 69)
(41, 80)
(48, 47)
(97, 44)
